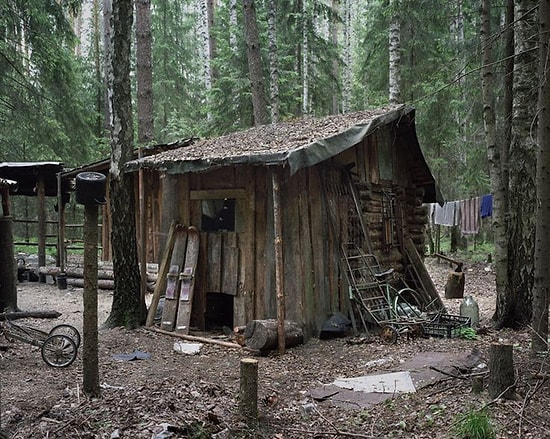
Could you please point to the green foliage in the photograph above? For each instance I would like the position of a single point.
(474, 424)
(42, 111)
(468, 333)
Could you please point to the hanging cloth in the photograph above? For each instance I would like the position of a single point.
(469, 215)
(448, 214)
(486, 205)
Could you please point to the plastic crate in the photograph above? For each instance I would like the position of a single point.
(446, 325)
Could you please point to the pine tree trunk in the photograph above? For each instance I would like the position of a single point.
(128, 308)
(541, 288)
(144, 70)
(335, 62)
(514, 308)
(305, 59)
(254, 63)
(495, 152)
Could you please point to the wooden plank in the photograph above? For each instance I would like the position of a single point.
(306, 249)
(171, 292)
(214, 262)
(162, 272)
(199, 297)
(187, 281)
(243, 305)
(319, 246)
(423, 275)
(230, 264)
(260, 217)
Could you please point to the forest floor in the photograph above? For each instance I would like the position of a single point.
(174, 395)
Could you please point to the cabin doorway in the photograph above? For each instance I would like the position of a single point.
(219, 311)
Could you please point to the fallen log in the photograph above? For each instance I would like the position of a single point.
(262, 334)
(102, 284)
(29, 314)
(193, 337)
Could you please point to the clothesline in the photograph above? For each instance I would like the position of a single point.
(464, 213)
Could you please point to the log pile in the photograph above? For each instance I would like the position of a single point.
(105, 276)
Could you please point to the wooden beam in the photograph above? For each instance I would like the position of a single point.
(217, 194)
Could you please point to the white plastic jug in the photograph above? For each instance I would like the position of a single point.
(469, 308)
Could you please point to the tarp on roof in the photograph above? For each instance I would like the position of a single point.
(298, 144)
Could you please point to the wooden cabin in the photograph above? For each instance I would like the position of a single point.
(356, 179)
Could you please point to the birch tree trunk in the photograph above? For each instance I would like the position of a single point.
(107, 56)
(254, 63)
(233, 24)
(346, 74)
(513, 308)
(205, 52)
(128, 308)
(539, 339)
(273, 61)
(99, 99)
(395, 54)
(335, 64)
(305, 59)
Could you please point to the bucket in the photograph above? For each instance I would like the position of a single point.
(62, 281)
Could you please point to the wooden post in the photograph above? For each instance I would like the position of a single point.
(8, 285)
(90, 368)
(279, 267)
(501, 371)
(41, 196)
(248, 390)
(142, 230)
(61, 256)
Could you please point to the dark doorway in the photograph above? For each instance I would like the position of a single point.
(219, 311)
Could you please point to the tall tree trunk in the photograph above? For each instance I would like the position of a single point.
(128, 309)
(205, 52)
(494, 156)
(335, 63)
(144, 70)
(514, 309)
(108, 55)
(501, 188)
(254, 63)
(539, 340)
(346, 74)
(96, 35)
(395, 54)
(273, 61)
(305, 59)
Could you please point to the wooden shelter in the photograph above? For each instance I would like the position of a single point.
(281, 200)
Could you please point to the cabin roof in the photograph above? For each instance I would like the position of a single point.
(26, 174)
(297, 143)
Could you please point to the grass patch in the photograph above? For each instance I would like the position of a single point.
(474, 424)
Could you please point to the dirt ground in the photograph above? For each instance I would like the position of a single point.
(173, 395)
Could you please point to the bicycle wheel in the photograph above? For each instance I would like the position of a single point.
(69, 331)
(59, 350)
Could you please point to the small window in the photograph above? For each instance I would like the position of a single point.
(218, 215)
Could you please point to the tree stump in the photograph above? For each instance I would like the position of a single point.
(262, 334)
(248, 390)
(501, 371)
